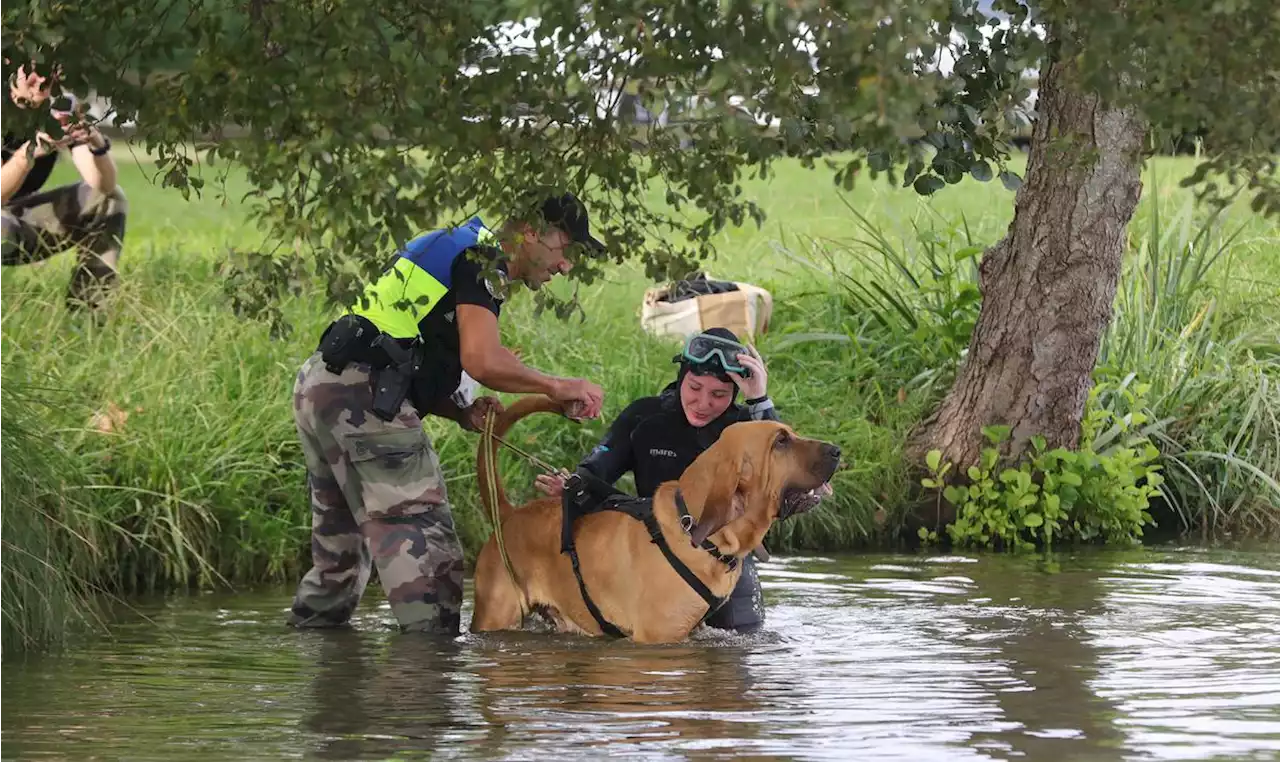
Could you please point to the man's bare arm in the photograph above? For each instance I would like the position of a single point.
(98, 172)
(14, 173)
(487, 361)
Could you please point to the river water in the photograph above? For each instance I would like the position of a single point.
(1150, 654)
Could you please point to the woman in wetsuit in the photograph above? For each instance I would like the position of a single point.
(657, 438)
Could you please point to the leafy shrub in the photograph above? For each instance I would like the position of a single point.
(1100, 491)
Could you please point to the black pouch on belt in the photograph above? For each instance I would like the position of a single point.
(347, 340)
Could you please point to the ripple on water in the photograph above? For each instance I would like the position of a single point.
(1174, 655)
(1190, 654)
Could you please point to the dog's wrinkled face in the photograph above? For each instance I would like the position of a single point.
(764, 468)
(798, 471)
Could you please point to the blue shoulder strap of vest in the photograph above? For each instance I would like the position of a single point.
(436, 251)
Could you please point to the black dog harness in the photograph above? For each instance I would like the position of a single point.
(577, 502)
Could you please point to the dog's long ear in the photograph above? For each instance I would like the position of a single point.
(726, 499)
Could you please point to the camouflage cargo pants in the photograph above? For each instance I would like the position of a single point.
(376, 491)
(41, 225)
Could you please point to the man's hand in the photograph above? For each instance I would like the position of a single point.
(757, 386)
(84, 134)
(78, 130)
(472, 418)
(44, 145)
(581, 398)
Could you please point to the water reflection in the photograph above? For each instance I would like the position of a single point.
(1051, 661)
(373, 695)
(508, 694)
(1171, 654)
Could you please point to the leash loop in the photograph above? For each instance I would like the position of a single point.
(491, 473)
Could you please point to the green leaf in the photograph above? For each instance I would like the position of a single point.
(1032, 520)
(996, 434)
(332, 97)
(933, 459)
(927, 185)
(914, 167)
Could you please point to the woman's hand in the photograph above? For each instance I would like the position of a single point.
(757, 385)
(551, 485)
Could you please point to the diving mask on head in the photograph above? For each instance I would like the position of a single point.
(706, 353)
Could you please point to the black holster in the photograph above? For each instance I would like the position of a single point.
(355, 339)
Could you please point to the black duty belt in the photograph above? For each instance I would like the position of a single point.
(575, 503)
(394, 362)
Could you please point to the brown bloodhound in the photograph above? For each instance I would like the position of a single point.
(755, 473)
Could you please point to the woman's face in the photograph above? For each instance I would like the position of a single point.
(704, 398)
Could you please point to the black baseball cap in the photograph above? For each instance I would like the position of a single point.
(569, 214)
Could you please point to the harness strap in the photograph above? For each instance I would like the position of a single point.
(608, 627)
(650, 521)
(686, 520)
(574, 502)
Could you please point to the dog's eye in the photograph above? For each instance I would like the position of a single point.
(782, 440)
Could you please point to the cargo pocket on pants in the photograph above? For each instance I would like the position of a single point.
(397, 471)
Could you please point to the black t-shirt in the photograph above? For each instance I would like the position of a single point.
(442, 368)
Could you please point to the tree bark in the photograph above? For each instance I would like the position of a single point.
(1049, 285)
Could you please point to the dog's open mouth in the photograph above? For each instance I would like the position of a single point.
(796, 501)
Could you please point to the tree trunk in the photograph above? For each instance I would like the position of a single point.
(1048, 287)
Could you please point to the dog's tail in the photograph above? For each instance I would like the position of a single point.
(525, 406)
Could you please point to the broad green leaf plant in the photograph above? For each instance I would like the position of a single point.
(1099, 492)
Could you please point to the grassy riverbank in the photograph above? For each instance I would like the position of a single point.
(197, 479)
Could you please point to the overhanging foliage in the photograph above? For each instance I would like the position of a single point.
(368, 121)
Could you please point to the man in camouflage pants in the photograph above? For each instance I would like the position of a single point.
(376, 481)
(88, 216)
(427, 332)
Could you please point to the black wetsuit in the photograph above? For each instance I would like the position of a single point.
(653, 439)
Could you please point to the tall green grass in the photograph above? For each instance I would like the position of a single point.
(50, 541)
(201, 479)
(1204, 334)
